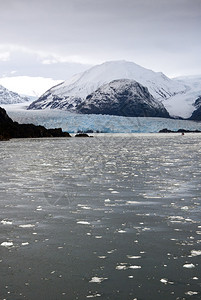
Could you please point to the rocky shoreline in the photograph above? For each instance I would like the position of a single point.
(10, 129)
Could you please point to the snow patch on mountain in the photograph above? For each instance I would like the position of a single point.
(183, 104)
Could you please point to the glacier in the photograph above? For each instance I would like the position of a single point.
(73, 122)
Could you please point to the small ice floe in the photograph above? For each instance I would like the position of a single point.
(121, 267)
(184, 207)
(83, 222)
(97, 279)
(98, 237)
(25, 243)
(107, 200)
(198, 232)
(135, 267)
(130, 276)
(114, 192)
(102, 256)
(195, 252)
(27, 226)
(133, 257)
(164, 280)
(191, 293)
(111, 251)
(121, 231)
(189, 266)
(7, 244)
(39, 208)
(6, 222)
(93, 296)
(195, 278)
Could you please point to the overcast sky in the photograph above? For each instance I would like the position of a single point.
(57, 38)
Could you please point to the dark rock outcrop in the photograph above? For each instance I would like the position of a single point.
(165, 130)
(123, 97)
(196, 115)
(10, 129)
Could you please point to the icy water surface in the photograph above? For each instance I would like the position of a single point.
(109, 217)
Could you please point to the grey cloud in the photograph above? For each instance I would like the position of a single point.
(106, 29)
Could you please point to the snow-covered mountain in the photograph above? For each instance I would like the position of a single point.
(123, 97)
(71, 93)
(8, 97)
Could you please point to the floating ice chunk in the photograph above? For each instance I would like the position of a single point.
(189, 266)
(107, 200)
(135, 267)
(94, 296)
(121, 267)
(130, 276)
(164, 280)
(6, 222)
(133, 257)
(25, 244)
(195, 252)
(97, 279)
(185, 207)
(114, 192)
(98, 237)
(195, 278)
(191, 293)
(7, 244)
(102, 256)
(198, 232)
(121, 231)
(83, 222)
(27, 226)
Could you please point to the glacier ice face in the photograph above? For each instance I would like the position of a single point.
(73, 122)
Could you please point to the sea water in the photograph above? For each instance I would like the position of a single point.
(109, 217)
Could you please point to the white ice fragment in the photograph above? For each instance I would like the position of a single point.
(6, 222)
(107, 200)
(97, 279)
(25, 244)
(195, 278)
(94, 296)
(195, 252)
(102, 256)
(121, 231)
(7, 244)
(83, 222)
(135, 267)
(185, 207)
(98, 237)
(130, 276)
(114, 192)
(27, 226)
(164, 280)
(198, 232)
(189, 266)
(133, 257)
(191, 293)
(122, 267)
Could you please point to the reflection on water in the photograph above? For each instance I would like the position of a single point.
(113, 217)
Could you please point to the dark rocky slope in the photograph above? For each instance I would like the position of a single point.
(10, 129)
(196, 115)
(123, 97)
